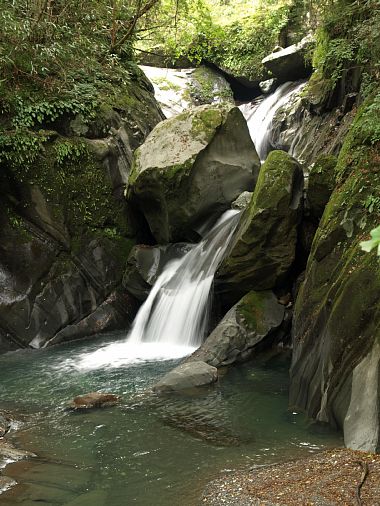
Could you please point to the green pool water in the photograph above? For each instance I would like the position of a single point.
(148, 450)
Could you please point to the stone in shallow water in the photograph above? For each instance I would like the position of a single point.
(94, 400)
(188, 375)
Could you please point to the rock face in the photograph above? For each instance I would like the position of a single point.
(321, 183)
(290, 64)
(64, 227)
(191, 167)
(187, 375)
(255, 318)
(264, 245)
(336, 334)
(307, 127)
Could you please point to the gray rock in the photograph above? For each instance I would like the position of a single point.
(253, 319)
(263, 248)
(145, 264)
(290, 64)
(5, 425)
(268, 86)
(335, 370)
(190, 167)
(242, 201)
(185, 376)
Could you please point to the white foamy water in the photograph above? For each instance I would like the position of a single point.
(259, 119)
(172, 322)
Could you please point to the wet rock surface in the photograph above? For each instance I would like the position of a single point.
(331, 478)
(253, 319)
(186, 376)
(64, 228)
(191, 168)
(94, 400)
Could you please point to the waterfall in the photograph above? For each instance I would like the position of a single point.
(176, 310)
(259, 118)
(172, 322)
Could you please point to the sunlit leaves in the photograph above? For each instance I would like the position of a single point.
(373, 243)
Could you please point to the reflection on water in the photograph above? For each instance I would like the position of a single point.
(148, 450)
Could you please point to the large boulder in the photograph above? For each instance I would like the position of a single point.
(263, 248)
(191, 167)
(290, 64)
(335, 371)
(255, 318)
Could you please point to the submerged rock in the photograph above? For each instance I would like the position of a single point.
(263, 248)
(185, 376)
(253, 319)
(94, 400)
(191, 167)
(291, 63)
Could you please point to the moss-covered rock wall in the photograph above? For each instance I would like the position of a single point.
(65, 228)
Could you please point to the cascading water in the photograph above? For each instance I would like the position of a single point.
(173, 320)
(259, 118)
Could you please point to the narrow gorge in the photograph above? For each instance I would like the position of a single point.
(189, 253)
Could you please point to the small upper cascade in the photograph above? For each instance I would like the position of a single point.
(177, 307)
(260, 118)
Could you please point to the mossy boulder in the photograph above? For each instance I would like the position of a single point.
(192, 166)
(321, 183)
(336, 334)
(263, 248)
(255, 318)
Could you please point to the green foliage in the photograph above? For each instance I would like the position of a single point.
(235, 35)
(367, 131)
(247, 41)
(348, 40)
(60, 60)
(373, 243)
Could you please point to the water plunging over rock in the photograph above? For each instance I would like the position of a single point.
(260, 117)
(176, 310)
(173, 320)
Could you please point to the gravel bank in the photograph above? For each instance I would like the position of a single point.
(332, 478)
